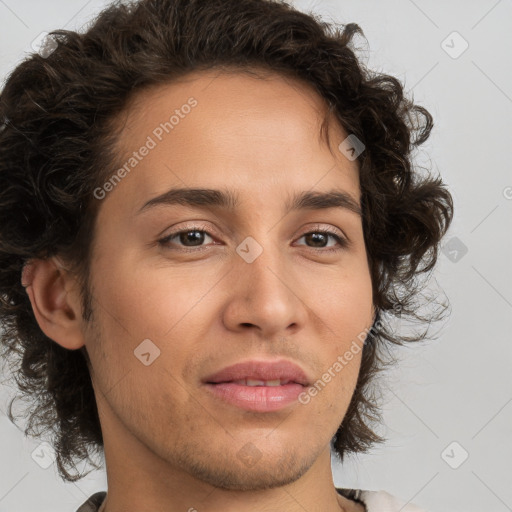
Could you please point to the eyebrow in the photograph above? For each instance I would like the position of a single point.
(226, 199)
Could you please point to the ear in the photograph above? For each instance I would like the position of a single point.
(55, 299)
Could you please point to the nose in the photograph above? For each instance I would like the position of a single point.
(265, 296)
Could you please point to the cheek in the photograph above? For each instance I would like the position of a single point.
(344, 307)
(154, 300)
(157, 300)
(343, 301)
(154, 315)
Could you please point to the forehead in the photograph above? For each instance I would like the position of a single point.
(230, 87)
(233, 128)
(226, 101)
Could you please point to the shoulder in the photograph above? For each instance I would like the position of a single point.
(93, 503)
(379, 501)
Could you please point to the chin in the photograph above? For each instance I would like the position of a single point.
(249, 479)
(239, 475)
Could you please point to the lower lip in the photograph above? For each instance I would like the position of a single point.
(257, 398)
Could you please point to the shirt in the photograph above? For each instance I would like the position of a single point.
(373, 501)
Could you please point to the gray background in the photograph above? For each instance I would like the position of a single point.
(456, 388)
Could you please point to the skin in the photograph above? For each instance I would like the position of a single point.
(168, 444)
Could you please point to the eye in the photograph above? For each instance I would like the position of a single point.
(320, 237)
(192, 240)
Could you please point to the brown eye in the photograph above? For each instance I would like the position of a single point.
(186, 238)
(320, 238)
(194, 237)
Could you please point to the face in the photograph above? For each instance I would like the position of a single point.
(182, 290)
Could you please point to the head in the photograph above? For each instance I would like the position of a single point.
(258, 101)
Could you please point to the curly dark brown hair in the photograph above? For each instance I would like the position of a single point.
(57, 142)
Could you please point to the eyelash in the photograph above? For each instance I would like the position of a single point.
(343, 242)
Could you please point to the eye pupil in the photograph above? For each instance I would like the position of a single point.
(197, 237)
(317, 237)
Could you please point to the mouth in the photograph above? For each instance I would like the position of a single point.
(260, 373)
(258, 386)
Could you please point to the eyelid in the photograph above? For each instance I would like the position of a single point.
(194, 226)
(325, 227)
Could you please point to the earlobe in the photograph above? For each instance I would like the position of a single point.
(55, 301)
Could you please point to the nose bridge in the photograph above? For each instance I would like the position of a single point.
(262, 263)
(263, 292)
(261, 247)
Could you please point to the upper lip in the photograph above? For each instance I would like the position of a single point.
(260, 370)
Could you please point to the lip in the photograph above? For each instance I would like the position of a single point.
(260, 370)
(222, 385)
